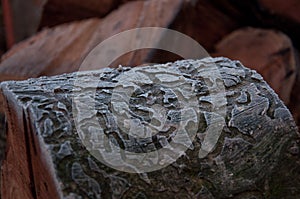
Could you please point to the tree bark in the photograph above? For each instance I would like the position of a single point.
(56, 126)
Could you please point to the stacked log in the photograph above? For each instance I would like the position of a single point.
(62, 49)
(269, 52)
(206, 22)
(68, 30)
(53, 152)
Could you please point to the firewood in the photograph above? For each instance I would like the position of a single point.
(267, 51)
(238, 138)
(63, 48)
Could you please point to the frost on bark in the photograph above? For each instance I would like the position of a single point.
(255, 153)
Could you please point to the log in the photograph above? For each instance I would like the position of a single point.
(48, 58)
(265, 14)
(21, 19)
(207, 128)
(205, 22)
(24, 18)
(41, 55)
(274, 56)
(57, 12)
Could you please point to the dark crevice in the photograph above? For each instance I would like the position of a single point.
(29, 156)
(235, 133)
(289, 74)
(31, 135)
(252, 13)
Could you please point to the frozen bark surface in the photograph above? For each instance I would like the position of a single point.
(256, 153)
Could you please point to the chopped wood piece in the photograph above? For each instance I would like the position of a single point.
(57, 12)
(62, 49)
(204, 22)
(53, 51)
(63, 132)
(264, 13)
(269, 52)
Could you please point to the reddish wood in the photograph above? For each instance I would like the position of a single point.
(62, 49)
(21, 19)
(8, 22)
(51, 51)
(16, 150)
(256, 155)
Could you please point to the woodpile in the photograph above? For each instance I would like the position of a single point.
(63, 48)
(52, 37)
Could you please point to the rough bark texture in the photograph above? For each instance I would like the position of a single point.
(256, 156)
(269, 52)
